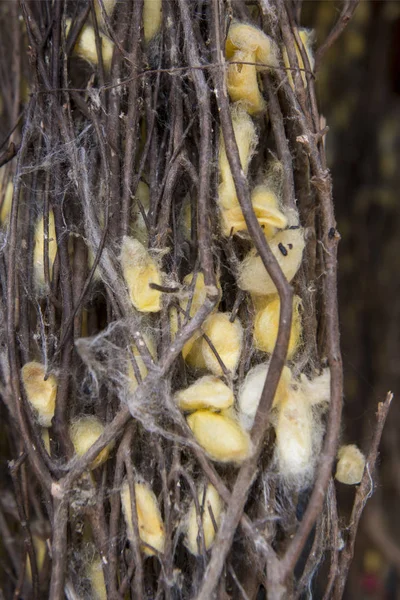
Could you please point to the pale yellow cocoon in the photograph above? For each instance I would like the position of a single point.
(246, 139)
(84, 433)
(96, 578)
(207, 392)
(152, 17)
(41, 394)
(318, 389)
(192, 352)
(199, 294)
(151, 345)
(139, 270)
(221, 436)
(38, 251)
(306, 36)
(350, 466)
(266, 208)
(151, 527)
(242, 36)
(139, 227)
(85, 46)
(6, 195)
(266, 325)
(213, 502)
(287, 247)
(251, 390)
(242, 82)
(227, 339)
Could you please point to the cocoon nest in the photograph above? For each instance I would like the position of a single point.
(38, 252)
(139, 270)
(306, 36)
(96, 577)
(151, 345)
(266, 325)
(251, 390)
(227, 339)
(242, 36)
(350, 466)
(207, 392)
(41, 393)
(246, 139)
(266, 208)
(287, 247)
(221, 436)
(139, 227)
(242, 82)
(152, 17)
(84, 432)
(85, 46)
(151, 528)
(210, 501)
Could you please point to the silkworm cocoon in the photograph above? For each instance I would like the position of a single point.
(350, 466)
(318, 389)
(246, 139)
(40, 550)
(297, 439)
(251, 390)
(84, 433)
(46, 439)
(221, 436)
(266, 208)
(151, 345)
(85, 46)
(139, 270)
(96, 578)
(306, 36)
(287, 247)
(38, 252)
(242, 82)
(206, 392)
(152, 17)
(199, 294)
(6, 201)
(213, 502)
(242, 36)
(151, 528)
(192, 352)
(227, 339)
(139, 227)
(41, 393)
(266, 325)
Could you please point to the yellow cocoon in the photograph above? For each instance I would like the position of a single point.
(350, 466)
(199, 293)
(151, 528)
(242, 82)
(84, 433)
(152, 17)
(96, 578)
(206, 392)
(306, 36)
(212, 500)
(242, 36)
(85, 46)
(266, 208)
(41, 550)
(227, 339)
(139, 228)
(38, 252)
(41, 394)
(221, 436)
(139, 270)
(192, 352)
(266, 325)
(296, 433)
(150, 343)
(6, 201)
(246, 139)
(287, 247)
(251, 390)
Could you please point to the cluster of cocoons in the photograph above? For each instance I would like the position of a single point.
(350, 466)
(247, 44)
(38, 251)
(150, 524)
(209, 502)
(84, 432)
(306, 36)
(40, 392)
(139, 271)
